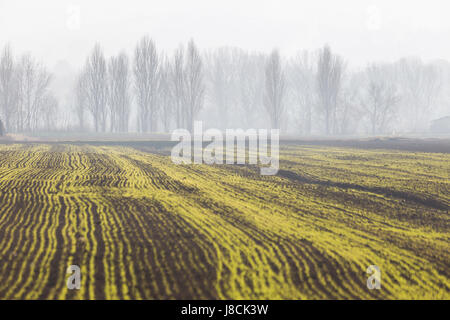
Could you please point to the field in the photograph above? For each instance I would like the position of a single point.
(141, 227)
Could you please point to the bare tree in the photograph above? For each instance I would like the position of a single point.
(49, 111)
(251, 86)
(119, 96)
(81, 99)
(8, 86)
(275, 89)
(146, 69)
(97, 87)
(195, 88)
(223, 75)
(348, 109)
(166, 94)
(178, 83)
(329, 75)
(420, 86)
(302, 76)
(381, 98)
(34, 81)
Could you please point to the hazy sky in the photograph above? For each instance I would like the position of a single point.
(360, 30)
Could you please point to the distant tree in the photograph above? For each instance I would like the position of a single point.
(146, 69)
(119, 95)
(49, 112)
(34, 81)
(97, 88)
(420, 85)
(329, 75)
(178, 84)
(8, 86)
(166, 94)
(81, 99)
(301, 80)
(195, 88)
(275, 89)
(251, 82)
(380, 98)
(348, 110)
(223, 78)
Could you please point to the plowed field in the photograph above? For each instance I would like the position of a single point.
(141, 227)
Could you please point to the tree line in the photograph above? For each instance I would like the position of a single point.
(26, 103)
(152, 91)
(165, 91)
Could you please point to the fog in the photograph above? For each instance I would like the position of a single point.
(257, 64)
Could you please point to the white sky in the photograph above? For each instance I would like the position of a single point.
(360, 30)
